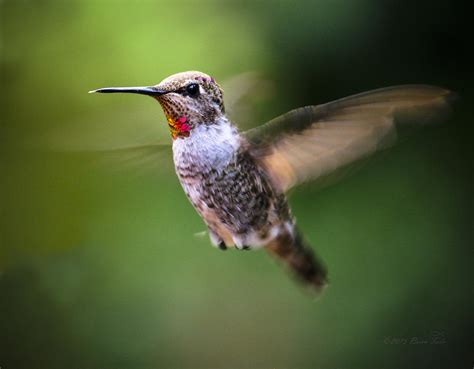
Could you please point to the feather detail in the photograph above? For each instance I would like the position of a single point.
(313, 142)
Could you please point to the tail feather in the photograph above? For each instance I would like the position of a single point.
(299, 258)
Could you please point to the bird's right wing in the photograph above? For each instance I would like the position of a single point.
(242, 93)
(312, 142)
(153, 158)
(128, 140)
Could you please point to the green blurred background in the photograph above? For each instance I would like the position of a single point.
(101, 269)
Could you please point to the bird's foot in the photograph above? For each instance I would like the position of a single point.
(243, 247)
(217, 241)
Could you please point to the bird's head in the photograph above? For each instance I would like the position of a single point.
(188, 99)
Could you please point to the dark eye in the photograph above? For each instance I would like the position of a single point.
(192, 89)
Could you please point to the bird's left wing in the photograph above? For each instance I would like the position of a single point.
(312, 142)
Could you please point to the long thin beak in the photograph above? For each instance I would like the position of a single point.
(150, 91)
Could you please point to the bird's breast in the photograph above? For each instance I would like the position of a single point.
(208, 147)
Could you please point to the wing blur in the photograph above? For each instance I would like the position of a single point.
(313, 142)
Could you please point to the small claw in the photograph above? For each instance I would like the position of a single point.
(244, 248)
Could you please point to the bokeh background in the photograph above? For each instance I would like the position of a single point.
(100, 268)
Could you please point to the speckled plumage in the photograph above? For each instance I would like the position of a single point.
(227, 187)
(216, 169)
(225, 183)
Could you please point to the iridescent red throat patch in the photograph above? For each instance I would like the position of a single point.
(179, 127)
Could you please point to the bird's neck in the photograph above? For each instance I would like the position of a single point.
(208, 147)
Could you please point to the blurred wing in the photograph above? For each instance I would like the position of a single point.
(242, 92)
(313, 142)
(124, 140)
(140, 159)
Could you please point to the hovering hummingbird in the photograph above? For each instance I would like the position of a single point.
(237, 181)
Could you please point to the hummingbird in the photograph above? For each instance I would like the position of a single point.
(238, 181)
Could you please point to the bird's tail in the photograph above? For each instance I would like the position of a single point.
(297, 255)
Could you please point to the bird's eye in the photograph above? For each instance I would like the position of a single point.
(192, 89)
